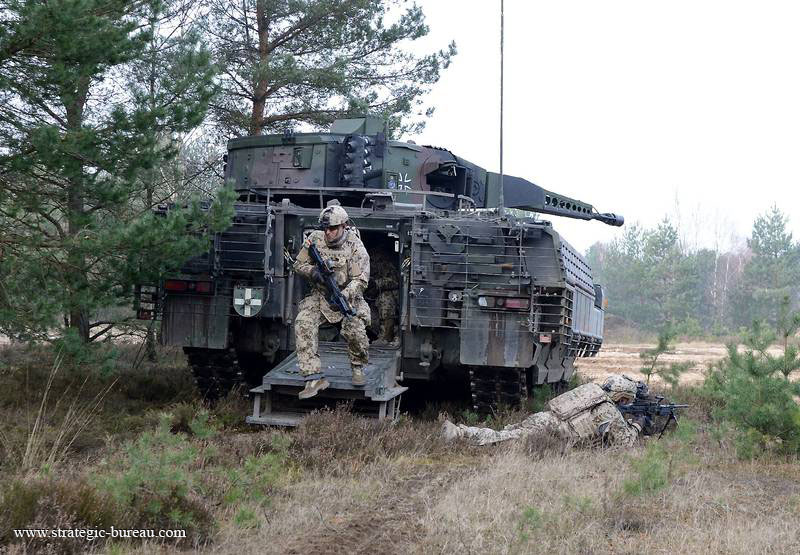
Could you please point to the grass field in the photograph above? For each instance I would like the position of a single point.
(138, 449)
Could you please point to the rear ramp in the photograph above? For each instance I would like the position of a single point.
(275, 401)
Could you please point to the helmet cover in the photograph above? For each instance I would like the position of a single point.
(333, 216)
(620, 387)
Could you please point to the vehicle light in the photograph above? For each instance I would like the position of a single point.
(499, 301)
(483, 301)
(203, 287)
(144, 315)
(175, 285)
(517, 303)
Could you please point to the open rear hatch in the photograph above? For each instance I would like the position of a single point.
(275, 402)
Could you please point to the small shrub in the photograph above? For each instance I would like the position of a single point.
(662, 461)
(542, 395)
(651, 472)
(47, 503)
(752, 392)
(158, 484)
(652, 366)
(246, 518)
(530, 520)
(192, 419)
(253, 480)
(470, 417)
(181, 416)
(157, 385)
(579, 503)
(229, 411)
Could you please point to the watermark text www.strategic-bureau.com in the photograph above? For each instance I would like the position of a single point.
(91, 534)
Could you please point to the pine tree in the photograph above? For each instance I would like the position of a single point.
(752, 390)
(662, 258)
(311, 61)
(773, 271)
(79, 141)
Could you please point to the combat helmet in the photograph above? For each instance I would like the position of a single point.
(620, 387)
(332, 215)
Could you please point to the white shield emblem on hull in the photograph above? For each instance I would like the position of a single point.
(247, 301)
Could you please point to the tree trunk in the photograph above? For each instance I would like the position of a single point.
(76, 275)
(260, 89)
(150, 339)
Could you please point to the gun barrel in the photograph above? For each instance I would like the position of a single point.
(609, 218)
(525, 195)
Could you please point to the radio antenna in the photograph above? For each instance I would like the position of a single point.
(502, 200)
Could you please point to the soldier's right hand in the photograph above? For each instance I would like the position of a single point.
(640, 422)
(316, 276)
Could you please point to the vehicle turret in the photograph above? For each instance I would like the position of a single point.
(355, 157)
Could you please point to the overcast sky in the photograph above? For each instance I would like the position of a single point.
(637, 107)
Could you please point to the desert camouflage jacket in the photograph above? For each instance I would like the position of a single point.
(350, 263)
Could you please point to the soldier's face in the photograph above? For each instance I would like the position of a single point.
(333, 233)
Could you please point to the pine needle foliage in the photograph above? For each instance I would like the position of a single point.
(752, 389)
(290, 62)
(83, 126)
(652, 366)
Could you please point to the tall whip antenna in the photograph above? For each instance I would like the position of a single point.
(502, 200)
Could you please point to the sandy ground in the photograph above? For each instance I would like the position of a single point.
(624, 358)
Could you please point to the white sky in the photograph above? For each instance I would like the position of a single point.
(633, 106)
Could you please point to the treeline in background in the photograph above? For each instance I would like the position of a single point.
(655, 281)
(110, 108)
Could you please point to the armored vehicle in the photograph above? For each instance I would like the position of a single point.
(489, 294)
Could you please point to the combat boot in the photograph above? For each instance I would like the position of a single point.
(359, 379)
(313, 387)
(450, 431)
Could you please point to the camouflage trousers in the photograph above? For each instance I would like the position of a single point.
(603, 424)
(537, 423)
(386, 304)
(306, 332)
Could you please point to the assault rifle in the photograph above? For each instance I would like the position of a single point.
(335, 297)
(650, 408)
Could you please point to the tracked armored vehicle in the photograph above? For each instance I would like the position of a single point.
(489, 295)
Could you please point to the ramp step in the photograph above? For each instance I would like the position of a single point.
(275, 401)
(335, 362)
(288, 419)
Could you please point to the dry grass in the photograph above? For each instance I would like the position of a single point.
(344, 484)
(342, 444)
(574, 503)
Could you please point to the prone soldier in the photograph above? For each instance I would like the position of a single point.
(344, 252)
(587, 413)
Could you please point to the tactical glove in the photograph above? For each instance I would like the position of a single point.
(349, 293)
(640, 422)
(316, 277)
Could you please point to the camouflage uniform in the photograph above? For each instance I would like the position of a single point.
(350, 263)
(585, 413)
(384, 285)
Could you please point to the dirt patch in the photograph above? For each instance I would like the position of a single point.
(616, 358)
(390, 522)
